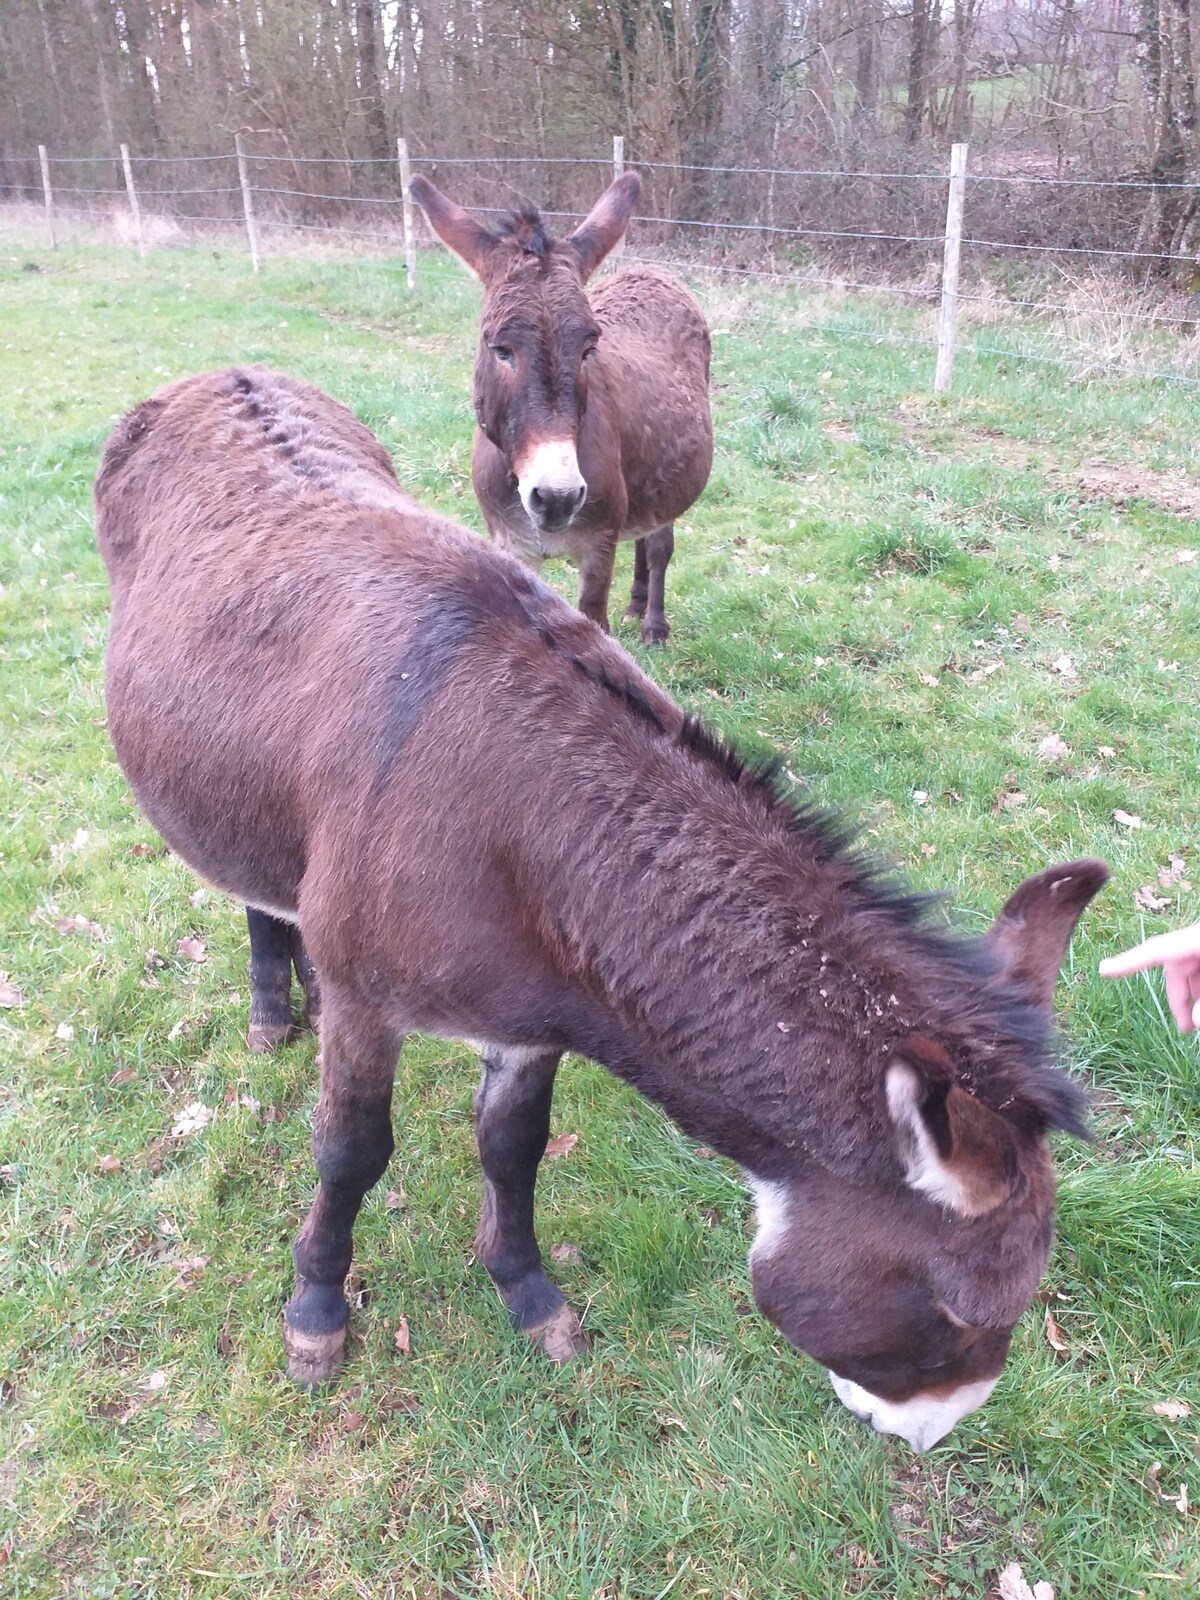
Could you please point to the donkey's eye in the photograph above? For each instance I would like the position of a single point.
(505, 353)
(590, 352)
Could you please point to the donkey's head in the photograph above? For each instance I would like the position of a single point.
(908, 1291)
(536, 338)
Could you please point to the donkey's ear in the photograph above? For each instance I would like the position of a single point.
(456, 228)
(952, 1147)
(602, 228)
(1033, 930)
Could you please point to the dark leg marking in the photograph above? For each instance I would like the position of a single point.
(512, 1124)
(660, 547)
(641, 579)
(270, 980)
(352, 1143)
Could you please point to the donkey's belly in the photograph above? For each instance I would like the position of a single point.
(211, 785)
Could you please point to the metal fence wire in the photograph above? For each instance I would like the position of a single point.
(931, 270)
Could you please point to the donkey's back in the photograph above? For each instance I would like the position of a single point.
(259, 548)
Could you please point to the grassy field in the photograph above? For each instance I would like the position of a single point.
(908, 598)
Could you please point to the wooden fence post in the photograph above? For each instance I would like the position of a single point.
(48, 193)
(947, 326)
(410, 241)
(247, 200)
(618, 169)
(133, 201)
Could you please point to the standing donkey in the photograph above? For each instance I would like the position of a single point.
(592, 412)
(357, 717)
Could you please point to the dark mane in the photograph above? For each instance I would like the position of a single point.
(523, 224)
(1040, 1096)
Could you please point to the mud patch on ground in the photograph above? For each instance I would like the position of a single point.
(1122, 486)
(1096, 482)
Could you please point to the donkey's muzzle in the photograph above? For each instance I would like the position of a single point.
(552, 508)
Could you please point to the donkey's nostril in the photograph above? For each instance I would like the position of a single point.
(555, 507)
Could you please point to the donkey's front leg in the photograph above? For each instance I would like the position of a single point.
(660, 547)
(640, 588)
(512, 1124)
(595, 577)
(352, 1142)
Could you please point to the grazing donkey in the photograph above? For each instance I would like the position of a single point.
(593, 411)
(355, 716)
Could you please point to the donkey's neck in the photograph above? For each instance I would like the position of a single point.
(736, 979)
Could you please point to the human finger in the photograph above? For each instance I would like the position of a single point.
(1153, 952)
(1179, 997)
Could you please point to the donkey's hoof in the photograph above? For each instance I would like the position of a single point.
(633, 612)
(313, 1358)
(263, 1037)
(561, 1337)
(655, 632)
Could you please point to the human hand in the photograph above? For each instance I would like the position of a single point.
(1178, 954)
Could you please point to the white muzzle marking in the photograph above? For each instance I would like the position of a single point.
(551, 468)
(921, 1421)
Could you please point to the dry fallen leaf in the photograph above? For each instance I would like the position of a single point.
(65, 1032)
(1012, 1586)
(122, 1076)
(1010, 801)
(920, 797)
(1170, 875)
(928, 851)
(1105, 750)
(10, 995)
(192, 1119)
(402, 1336)
(187, 1025)
(1064, 666)
(396, 1198)
(193, 949)
(929, 679)
(143, 850)
(109, 1164)
(1173, 1410)
(188, 1270)
(1145, 899)
(1054, 1334)
(561, 1146)
(1053, 748)
(1127, 819)
(198, 897)
(78, 925)
(568, 1254)
(154, 1383)
(1185, 557)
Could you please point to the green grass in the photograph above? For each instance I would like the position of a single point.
(875, 583)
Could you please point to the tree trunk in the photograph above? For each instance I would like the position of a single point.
(920, 39)
(366, 62)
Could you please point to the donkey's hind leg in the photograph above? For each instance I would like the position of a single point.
(270, 980)
(307, 975)
(512, 1124)
(352, 1144)
(660, 547)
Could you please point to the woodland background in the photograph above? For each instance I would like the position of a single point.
(1058, 90)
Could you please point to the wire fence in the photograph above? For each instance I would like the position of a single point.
(1071, 298)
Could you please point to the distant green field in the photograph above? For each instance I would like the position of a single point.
(906, 598)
